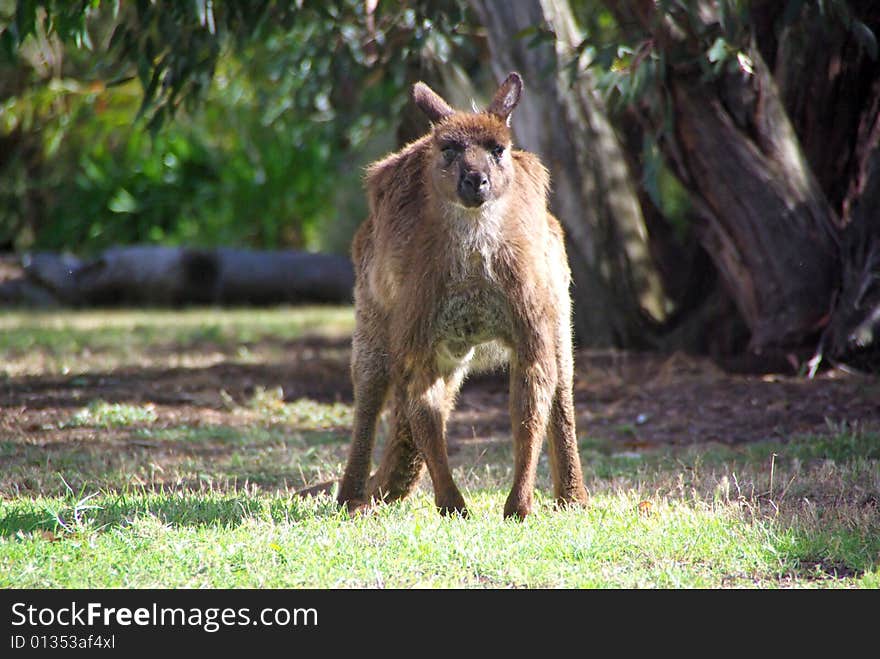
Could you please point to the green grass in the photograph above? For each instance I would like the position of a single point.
(270, 406)
(177, 457)
(674, 519)
(118, 495)
(212, 539)
(50, 342)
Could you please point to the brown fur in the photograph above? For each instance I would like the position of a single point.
(450, 279)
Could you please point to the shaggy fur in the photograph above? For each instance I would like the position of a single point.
(459, 266)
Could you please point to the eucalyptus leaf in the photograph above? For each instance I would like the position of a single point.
(719, 51)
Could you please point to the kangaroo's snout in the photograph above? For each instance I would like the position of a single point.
(473, 188)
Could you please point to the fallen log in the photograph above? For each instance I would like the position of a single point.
(174, 276)
(248, 277)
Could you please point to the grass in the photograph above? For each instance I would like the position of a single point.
(280, 542)
(176, 457)
(121, 495)
(690, 518)
(250, 538)
(113, 415)
(63, 342)
(270, 406)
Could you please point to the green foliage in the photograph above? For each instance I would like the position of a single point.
(275, 105)
(219, 177)
(631, 58)
(174, 47)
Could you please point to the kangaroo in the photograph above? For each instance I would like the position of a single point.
(459, 267)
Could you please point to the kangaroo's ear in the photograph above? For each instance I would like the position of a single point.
(430, 102)
(506, 97)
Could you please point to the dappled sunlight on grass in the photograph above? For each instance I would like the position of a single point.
(220, 457)
(76, 342)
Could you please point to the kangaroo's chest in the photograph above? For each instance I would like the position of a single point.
(473, 308)
(471, 315)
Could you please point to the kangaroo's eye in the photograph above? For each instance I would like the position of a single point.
(497, 151)
(449, 153)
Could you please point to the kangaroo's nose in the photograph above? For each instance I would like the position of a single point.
(473, 188)
(475, 181)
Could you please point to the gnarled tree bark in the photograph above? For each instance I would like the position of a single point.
(764, 218)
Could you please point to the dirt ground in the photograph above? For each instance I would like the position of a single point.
(636, 400)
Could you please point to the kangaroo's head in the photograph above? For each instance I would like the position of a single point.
(470, 161)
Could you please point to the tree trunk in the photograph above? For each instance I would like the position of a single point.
(617, 292)
(765, 220)
(853, 334)
(826, 80)
(704, 319)
(830, 84)
(767, 224)
(283, 276)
